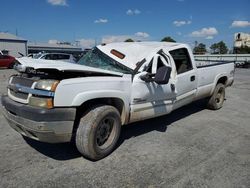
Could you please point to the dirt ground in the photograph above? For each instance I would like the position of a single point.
(191, 147)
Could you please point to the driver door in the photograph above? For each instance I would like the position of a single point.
(149, 99)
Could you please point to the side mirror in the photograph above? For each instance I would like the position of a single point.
(162, 75)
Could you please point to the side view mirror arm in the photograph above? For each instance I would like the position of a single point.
(161, 77)
(148, 77)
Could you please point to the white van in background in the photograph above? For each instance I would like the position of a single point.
(55, 56)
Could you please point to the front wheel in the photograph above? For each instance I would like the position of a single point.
(217, 99)
(98, 132)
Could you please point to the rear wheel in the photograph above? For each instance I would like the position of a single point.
(217, 99)
(98, 132)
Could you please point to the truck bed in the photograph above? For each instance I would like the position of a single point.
(209, 73)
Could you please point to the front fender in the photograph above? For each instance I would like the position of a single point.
(74, 92)
(81, 98)
(86, 96)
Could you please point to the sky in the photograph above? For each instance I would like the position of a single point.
(92, 22)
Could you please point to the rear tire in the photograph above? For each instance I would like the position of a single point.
(216, 101)
(98, 132)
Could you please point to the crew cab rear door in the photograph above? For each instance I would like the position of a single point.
(149, 99)
(187, 81)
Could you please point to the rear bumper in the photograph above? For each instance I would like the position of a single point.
(52, 126)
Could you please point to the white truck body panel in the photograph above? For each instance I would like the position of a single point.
(141, 80)
(150, 99)
(142, 100)
(76, 91)
(61, 66)
(208, 76)
(136, 51)
(112, 85)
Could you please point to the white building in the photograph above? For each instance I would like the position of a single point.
(13, 45)
(241, 39)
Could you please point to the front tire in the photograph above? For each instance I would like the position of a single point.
(217, 99)
(98, 132)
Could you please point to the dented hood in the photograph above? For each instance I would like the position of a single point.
(40, 64)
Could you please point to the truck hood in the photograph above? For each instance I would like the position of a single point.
(40, 64)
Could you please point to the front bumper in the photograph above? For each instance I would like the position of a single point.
(52, 125)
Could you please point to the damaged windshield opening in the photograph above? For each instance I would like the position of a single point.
(97, 59)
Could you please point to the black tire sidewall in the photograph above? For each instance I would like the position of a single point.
(86, 132)
(117, 127)
(212, 102)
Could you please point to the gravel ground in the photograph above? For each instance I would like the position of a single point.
(191, 147)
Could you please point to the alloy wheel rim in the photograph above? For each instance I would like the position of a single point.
(219, 96)
(104, 132)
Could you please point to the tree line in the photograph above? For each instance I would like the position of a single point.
(200, 48)
(216, 48)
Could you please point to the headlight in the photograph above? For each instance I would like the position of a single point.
(44, 102)
(49, 85)
(41, 102)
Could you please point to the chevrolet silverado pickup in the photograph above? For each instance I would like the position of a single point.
(110, 86)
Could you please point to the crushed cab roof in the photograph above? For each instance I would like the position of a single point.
(134, 51)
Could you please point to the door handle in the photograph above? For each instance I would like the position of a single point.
(192, 78)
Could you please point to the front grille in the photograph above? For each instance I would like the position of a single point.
(19, 94)
(16, 94)
(22, 81)
(21, 89)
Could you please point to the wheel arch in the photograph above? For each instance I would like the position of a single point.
(223, 79)
(116, 102)
(115, 98)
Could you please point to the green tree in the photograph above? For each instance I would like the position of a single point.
(214, 48)
(200, 49)
(129, 40)
(167, 39)
(219, 48)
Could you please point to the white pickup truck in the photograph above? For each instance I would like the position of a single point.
(112, 85)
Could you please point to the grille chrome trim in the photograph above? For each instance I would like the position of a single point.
(22, 81)
(20, 89)
(28, 90)
(19, 94)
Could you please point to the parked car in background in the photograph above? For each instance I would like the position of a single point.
(7, 61)
(55, 56)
